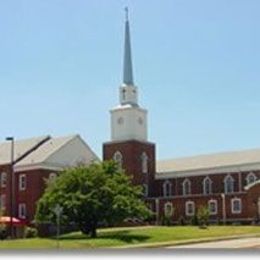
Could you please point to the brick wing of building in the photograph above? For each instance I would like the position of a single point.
(35, 161)
(227, 183)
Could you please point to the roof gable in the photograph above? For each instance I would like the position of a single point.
(59, 153)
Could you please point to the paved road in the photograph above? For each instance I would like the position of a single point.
(234, 243)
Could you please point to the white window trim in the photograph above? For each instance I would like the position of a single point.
(226, 182)
(22, 185)
(166, 205)
(21, 208)
(184, 191)
(216, 207)
(144, 160)
(232, 206)
(187, 203)
(248, 178)
(204, 185)
(118, 157)
(166, 184)
(3, 178)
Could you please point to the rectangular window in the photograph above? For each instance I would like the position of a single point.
(3, 179)
(189, 208)
(22, 182)
(213, 207)
(22, 210)
(3, 202)
(236, 206)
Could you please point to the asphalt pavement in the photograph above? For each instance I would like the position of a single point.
(253, 242)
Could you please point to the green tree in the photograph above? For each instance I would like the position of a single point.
(90, 195)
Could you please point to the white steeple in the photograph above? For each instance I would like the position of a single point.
(128, 120)
(128, 92)
(128, 71)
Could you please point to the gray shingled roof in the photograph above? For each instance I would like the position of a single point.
(59, 152)
(209, 161)
(46, 150)
(21, 147)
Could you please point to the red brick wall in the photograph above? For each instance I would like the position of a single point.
(35, 185)
(131, 152)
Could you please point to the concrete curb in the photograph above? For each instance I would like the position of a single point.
(186, 242)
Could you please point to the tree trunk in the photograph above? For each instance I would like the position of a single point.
(93, 233)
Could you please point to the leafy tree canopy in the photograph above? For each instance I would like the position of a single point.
(91, 195)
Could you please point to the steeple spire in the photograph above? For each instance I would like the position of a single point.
(128, 72)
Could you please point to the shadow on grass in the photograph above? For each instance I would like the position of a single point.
(123, 236)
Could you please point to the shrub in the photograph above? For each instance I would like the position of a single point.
(203, 216)
(3, 233)
(30, 232)
(195, 220)
(166, 221)
(181, 221)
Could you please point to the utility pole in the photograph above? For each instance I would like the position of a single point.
(12, 183)
(223, 196)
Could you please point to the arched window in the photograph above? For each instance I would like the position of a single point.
(3, 179)
(52, 176)
(167, 189)
(186, 187)
(144, 159)
(207, 186)
(229, 184)
(168, 209)
(145, 190)
(250, 178)
(118, 158)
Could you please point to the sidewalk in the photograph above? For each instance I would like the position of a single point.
(185, 242)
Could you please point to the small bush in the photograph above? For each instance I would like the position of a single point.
(181, 221)
(203, 216)
(30, 232)
(3, 233)
(166, 221)
(195, 220)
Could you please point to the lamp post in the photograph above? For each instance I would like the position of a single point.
(223, 196)
(157, 210)
(11, 139)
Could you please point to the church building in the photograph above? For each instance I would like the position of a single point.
(228, 184)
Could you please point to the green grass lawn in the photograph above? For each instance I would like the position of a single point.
(130, 236)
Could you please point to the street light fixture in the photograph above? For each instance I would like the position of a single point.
(11, 139)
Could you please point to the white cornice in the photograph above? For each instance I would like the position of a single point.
(40, 166)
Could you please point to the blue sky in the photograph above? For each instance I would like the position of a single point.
(196, 64)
